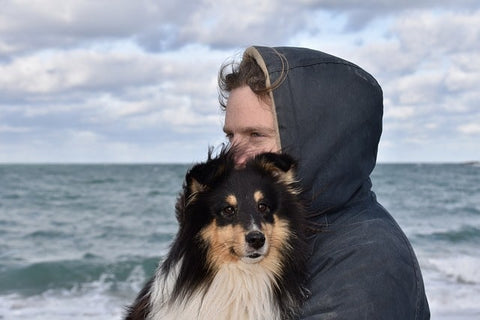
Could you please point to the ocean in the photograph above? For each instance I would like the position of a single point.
(79, 241)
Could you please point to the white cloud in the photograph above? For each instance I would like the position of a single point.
(83, 137)
(464, 72)
(418, 89)
(445, 32)
(14, 129)
(31, 25)
(61, 71)
(399, 112)
(431, 125)
(470, 128)
(110, 81)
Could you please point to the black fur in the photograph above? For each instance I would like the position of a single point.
(199, 204)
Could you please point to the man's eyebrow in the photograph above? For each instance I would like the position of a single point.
(261, 129)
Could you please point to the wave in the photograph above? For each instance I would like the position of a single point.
(48, 234)
(461, 269)
(40, 277)
(100, 299)
(101, 181)
(466, 234)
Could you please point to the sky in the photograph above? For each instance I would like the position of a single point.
(135, 81)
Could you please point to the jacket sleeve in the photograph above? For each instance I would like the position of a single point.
(364, 270)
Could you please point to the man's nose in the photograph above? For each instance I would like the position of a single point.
(240, 160)
(241, 152)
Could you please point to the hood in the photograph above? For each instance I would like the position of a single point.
(329, 116)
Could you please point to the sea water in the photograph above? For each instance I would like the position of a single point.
(79, 241)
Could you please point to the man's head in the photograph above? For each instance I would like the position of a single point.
(324, 111)
(250, 122)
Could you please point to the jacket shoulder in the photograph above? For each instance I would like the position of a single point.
(365, 269)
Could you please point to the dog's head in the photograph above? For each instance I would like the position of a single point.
(245, 214)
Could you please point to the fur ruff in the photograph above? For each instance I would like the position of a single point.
(212, 271)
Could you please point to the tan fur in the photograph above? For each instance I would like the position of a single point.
(195, 188)
(227, 244)
(221, 241)
(277, 234)
(231, 200)
(258, 195)
(286, 178)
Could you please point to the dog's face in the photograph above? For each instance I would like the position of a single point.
(245, 212)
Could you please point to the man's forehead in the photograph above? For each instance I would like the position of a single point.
(245, 108)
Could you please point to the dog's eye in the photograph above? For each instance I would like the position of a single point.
(263, 208)
(228, 211)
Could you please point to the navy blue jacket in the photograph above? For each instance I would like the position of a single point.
(329, 115)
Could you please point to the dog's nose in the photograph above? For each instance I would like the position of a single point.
(255, 239)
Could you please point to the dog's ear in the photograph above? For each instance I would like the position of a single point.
(280, 161)
(196, 181)
(202, 176)
(279, 165)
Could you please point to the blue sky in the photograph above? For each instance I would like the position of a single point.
(135, 81)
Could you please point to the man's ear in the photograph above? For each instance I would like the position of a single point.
(279, 165)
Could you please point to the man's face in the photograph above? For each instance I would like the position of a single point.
(249, 124)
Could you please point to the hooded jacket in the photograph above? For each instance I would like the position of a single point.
(329, 116)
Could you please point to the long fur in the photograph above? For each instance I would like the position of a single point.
(211, 270)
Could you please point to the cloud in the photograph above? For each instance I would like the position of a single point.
(161, 26)
(470, 128)
(135, 79)
(28, 26)
(230, 24)
(427, 64)
(13, 129)
(155, 25)
(78, 102)
(119, 83)
(80, 70)
(398, 113)
(361, 13)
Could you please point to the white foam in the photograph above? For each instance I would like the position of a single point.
(102, 299)
(452, 284)
(461, 268)
(60, 305)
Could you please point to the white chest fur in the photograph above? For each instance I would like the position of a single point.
(239, 291)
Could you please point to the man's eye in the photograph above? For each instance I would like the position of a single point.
(255, 134)
(229, 136)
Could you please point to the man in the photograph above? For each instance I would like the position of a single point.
(327, 113)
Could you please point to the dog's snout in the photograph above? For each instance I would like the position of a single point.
(255, 239)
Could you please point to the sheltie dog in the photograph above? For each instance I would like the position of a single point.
(240, 249)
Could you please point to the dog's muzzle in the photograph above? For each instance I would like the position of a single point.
(255, 239)
(256, 247)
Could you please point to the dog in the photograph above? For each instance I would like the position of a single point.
(240, 250)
